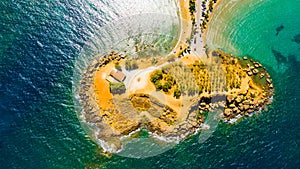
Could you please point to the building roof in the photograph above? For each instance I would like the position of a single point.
(118, 75)
(111, 79)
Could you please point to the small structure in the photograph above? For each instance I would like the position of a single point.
(116, 75)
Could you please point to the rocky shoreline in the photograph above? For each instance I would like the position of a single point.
(161, 120)
(229, 86)
(247, 101)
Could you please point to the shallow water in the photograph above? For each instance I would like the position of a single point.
(39, 42)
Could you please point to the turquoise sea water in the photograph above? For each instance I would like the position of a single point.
(39, 42)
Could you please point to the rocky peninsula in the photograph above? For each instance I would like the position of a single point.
(171, 100)
(169, 96)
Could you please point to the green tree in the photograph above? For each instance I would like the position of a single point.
(158, 85)
(166, 86)
(177, 93)
(118, 66)
(169, 79)
(157, 75)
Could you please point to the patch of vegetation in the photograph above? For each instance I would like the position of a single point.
(131, 64)
(235, 73)
(177, 93)
(118, 66)
(201, 76)
(156, 76)
(117, 88)
(154, 61)
(201, 115)
(259, 81)
(192, 8)
(171, 58)
(164, 81)
(233, 77)
(184, 78)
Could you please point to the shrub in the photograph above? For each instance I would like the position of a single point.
(127, 65)
(134, 65)
(157, 75)
(158, 85)
(165, 87)
(117, 88)
(131, 64)
(171, 58)
(154, 61)
(118, 66)
(177, 93)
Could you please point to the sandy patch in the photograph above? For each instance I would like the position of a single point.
(101, 86)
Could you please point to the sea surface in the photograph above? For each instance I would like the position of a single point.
(40, 42)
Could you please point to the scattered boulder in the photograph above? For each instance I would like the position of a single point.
(202, 104)
(227, 112)
(256, 65)
(249, 73)
(244, 93)
(246, 107)
(250, 110)
(230, 98)
(255, 71)
(271, 86)
(232, 106)
(246, 102)
(236, 109)
(195, 124)
(241, 107)
(239, 99)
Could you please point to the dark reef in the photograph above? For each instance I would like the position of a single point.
(296, 39)
(279, 57)
(279, 29)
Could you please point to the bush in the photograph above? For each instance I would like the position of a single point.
(157, 75)
(134, 65)
(117, 88)
(177, 93)
(166, 86)
(118, 66)
(171, 58)
(154, 61)
(127, 64)
(130, 65)
(170, 79)
(158, 85)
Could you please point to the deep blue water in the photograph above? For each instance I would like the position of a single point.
(39, 42)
